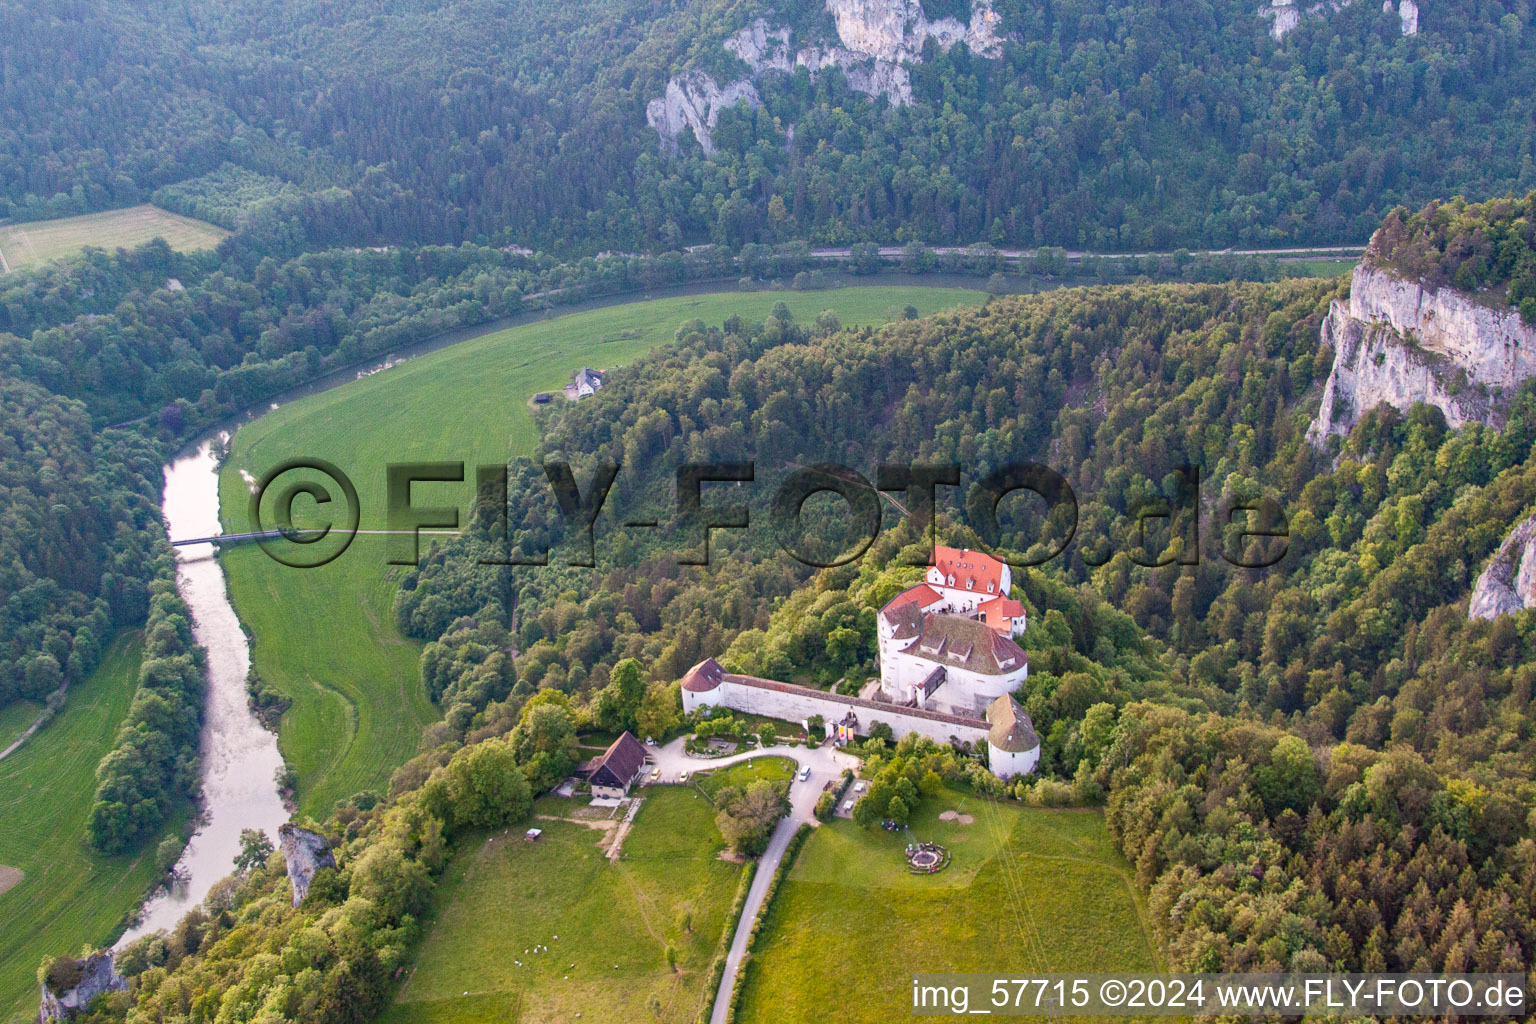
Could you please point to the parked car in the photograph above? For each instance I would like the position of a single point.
(805, 774)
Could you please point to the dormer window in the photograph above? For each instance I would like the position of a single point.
(989, 588)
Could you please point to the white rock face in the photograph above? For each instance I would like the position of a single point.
(1285, 15)
(98, 974)
(694, 100)
(304, 853)
(878, 37)
(1508, 583)
(1396, 343)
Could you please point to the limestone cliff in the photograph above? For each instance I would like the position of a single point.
(694, 101)
(1508, 582)
(304, 852)
(72, 984)
(1285, 15)
(1397, 343)
(878, 39)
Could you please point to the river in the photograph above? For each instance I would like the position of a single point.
(240, 756)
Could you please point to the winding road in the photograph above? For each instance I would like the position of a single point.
(826, 762)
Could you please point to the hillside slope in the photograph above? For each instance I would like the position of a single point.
(604, 124)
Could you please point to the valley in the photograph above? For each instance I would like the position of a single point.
(905, 488)
(358, 707)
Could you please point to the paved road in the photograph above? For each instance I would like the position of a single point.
(825, 762)
(836, 253)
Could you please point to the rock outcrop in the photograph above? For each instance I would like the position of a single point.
(1508, 582)
(1397, 343)
(878, 38)
(72, 984)
(694, 101)
(1285, 15)
(304, 852)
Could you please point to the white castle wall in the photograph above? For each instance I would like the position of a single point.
(799, 704)
(900, 671)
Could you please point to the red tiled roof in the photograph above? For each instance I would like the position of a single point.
(704, 676)
(999, 613)
(972, 570)
(904, 611)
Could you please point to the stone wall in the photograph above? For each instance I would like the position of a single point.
(797, 703)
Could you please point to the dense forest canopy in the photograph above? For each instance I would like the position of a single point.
(1105, 125)
(1485, 249)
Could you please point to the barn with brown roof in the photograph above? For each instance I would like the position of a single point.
(613, 771)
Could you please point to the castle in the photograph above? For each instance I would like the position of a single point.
(948, 668)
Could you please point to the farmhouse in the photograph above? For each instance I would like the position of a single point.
(611, 772)
(583, 383)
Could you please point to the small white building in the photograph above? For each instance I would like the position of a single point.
(583, 383)
(1013, 747)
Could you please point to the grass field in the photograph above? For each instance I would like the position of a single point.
(777, 769)
(69, 896)
(16, 718)
(614, 922)
(39, 241)
(326, 637)
(1318, 267)
(1028, 890)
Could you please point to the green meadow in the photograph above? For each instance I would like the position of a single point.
(608, 926)
(16, 718)
(68, 896)
(326, 637)
(1028, 889)
(39, 241)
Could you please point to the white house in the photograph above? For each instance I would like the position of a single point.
(583, 383)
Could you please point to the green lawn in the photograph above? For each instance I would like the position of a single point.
(745, 773)
(326, 637)
(502, 896)
(68, 896)
(1322, 267)
(16, 718)
(39, 241)
(1028, 889)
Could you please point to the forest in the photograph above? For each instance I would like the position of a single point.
(1255, 734)
(1103, 125)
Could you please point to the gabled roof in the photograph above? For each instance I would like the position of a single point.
(704, 676)
(1012, 730)
(967, 643)
(904, 611)
(972, 570)
(1000, 612)
(619, 764)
